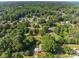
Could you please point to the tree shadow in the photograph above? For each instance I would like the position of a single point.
(32, 47)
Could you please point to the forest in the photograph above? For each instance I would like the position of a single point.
(39, 29)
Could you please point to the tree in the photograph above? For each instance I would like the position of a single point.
(5, 55)
(44, 30)
(48, 43)
(29, 41)
(41, 21)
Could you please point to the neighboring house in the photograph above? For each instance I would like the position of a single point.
(65, 22)
(37, 50)
(62, 23)
(75, 51)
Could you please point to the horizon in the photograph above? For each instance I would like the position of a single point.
(41, 0)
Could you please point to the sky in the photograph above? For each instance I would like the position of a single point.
(39, 0)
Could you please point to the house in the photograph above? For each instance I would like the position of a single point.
(67, 22)
(62, 23)
(75, 51)
(37, 50)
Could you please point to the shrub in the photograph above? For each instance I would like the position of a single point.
(67, 50)
(5, 55)
(45, 55)
(17, 55)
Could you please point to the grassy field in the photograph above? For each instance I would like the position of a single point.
(72, 46)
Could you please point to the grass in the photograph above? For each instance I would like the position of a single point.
(43, 55)
(72, 46)
(63, 56)
(27, 56)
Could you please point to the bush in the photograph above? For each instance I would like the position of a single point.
(49, 55)
(5, 55)
(17, 55)
(45, 55)
(67, 50)
(27, 53)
